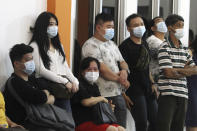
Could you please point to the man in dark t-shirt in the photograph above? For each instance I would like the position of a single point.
(135, 53)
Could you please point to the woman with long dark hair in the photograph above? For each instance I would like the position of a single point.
(49, 56)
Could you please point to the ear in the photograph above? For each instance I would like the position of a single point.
(170, 28)
(128, 29)
(98, 27)
(153, 28)
(83, 73)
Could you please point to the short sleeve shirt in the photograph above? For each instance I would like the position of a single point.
(173, 57)
(109, 54)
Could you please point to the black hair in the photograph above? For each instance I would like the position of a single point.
(129, 18)
(173, 19)
(191, 35)
(194, 45)
(18, 51)
(85, 63)
(152, 23)
(102, 18)
(40, 36)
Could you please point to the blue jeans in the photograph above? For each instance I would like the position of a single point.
(120, 110)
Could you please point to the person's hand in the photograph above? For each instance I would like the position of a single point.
(155, 90)
(126, 84)
(46, 92)
(69, 86)
(51, 99)
(123, 75)
(75, 88)
(103, 99)
(112, 105)
(128, 101)
(14, 125)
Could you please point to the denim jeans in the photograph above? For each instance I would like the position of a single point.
(120, 110)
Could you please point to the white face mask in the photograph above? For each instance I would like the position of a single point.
(179, 33)
(29, 67)
(109, 34)
(91, 76)
(52, 31)
(161, 27)
(139, 31)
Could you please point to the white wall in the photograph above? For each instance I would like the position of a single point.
(193, 16)
(184, 10)
(109, 3)
(16, 16)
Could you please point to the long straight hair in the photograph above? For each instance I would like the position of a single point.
(40, 36)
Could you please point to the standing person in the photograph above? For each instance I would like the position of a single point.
(134, 51)
(49, 56)
(158, 30)
(175, 63)
(191, 116)
(87, 97)
(112, 80)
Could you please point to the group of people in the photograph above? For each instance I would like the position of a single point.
(145, 74)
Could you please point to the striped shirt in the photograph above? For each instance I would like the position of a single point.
(172, 57)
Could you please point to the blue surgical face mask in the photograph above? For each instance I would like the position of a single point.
(52, 31)
(179, 33)
(161, 27)
(29, 67)
(139, 31)
(91, 76)
(109, 34)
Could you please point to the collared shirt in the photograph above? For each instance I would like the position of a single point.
(109, 54)
(173, 57)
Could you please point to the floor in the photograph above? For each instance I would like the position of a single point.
(130, 122)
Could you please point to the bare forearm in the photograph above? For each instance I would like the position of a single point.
(91, 101)
(172, 73)
(107, 74)
(124, 66)
(189, 71)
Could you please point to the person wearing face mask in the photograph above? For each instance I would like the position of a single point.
(49, 56)
(113, 80)
(88, 96)
(158, 29)
(25, 86)
(142, 92)
(175, 63)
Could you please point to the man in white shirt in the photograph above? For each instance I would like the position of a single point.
(112, 81)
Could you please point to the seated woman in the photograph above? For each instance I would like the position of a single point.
(88, 96)
(5, 123)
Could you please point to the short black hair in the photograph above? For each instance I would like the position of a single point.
(18, 51)
(152, 22)
(102, 18)
(173, 19)
(129, 18)
(85, 63)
